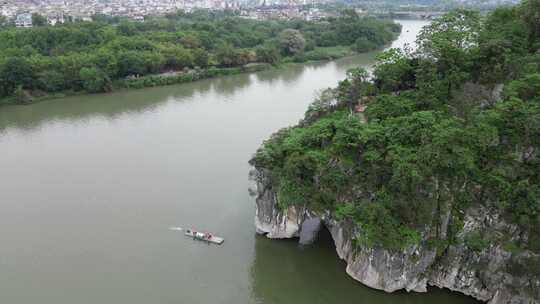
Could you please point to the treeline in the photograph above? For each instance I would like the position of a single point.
(91, 56)
(452, 125)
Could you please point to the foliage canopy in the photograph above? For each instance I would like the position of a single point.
(65, 57)
(436, 135)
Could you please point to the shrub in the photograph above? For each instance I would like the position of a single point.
(362, 45)
(476, 242)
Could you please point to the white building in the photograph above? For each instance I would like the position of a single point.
(23, 20)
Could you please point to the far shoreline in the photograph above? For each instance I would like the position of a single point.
(158, 80)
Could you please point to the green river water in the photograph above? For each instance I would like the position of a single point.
(89, 186)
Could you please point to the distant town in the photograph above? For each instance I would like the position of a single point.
(19, 12)
(59, 11)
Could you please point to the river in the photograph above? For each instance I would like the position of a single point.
(89, 186)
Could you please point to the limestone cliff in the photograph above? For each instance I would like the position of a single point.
(483, 274)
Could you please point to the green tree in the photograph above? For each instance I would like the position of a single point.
(177, 57)
(328, 38)
(394, 71)
(127, 28)
(268, 53)
(357, 77)
(15, 72)
(105, 60)
(201, 57)
(529, 10)
(38, 20)
(503, 43)
(130, 63)
(362, 44)
(292, 42)
(50, 81)
(450, 42)
(450, 39)
(95, 81)
(190, 41)
(153, 62)
(226, 55)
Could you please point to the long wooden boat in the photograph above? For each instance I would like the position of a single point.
(204, 236)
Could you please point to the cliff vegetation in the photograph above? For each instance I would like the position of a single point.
(433, 132)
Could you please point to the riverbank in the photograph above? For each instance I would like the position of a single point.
(319, 54)
(60, 61)
(29, 97)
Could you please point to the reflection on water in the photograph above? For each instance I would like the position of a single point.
(314, 274)
(111, 105)
(367, 60)
(228, 86)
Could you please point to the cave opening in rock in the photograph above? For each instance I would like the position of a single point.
(315, 233)
(325, 238)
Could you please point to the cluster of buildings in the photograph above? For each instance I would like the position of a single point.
(58, 11)
(283, 12)
(20, 11)
(87, 8)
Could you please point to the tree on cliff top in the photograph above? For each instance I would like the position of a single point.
(449, 42)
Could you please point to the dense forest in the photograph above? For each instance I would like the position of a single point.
(94, 56)
(448, 126)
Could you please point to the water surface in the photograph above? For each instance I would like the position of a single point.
(90, 184)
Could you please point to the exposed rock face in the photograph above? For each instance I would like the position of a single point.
(269, 220)
(483, 275)
(379, 268)
(309, 230)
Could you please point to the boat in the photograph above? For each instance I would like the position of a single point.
(201, 236)
(204, 236)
